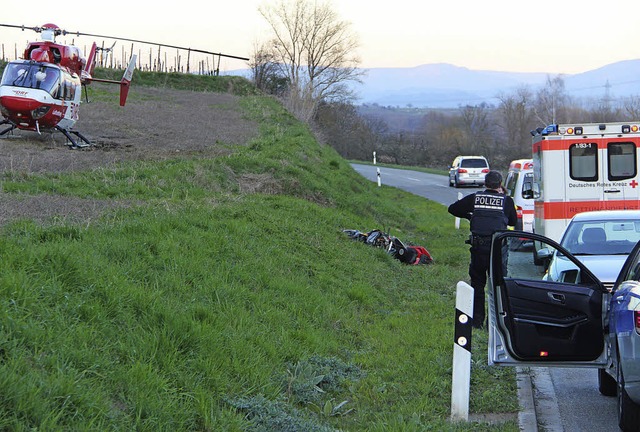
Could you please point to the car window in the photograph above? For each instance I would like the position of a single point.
(473, 163)
(583, 161)
(634, 273)
(615, 237)
(621, 160)
(521, 264)
(510, 184)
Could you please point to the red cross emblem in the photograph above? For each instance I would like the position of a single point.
(633, 183)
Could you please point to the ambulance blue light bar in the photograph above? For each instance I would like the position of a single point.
(550, 130)
(600, 129)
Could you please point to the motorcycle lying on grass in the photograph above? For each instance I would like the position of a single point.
(408, 254)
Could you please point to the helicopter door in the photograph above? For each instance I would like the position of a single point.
(538, 321)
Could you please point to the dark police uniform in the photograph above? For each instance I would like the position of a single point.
(489, 211)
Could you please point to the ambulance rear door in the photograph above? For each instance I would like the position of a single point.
(585, 179)
(603, 175)
(620, 173)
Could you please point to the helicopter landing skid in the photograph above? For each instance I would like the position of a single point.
(74, 143)
(9, 129)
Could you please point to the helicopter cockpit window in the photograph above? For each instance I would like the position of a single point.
(35, 76)
(50, 80)
(12, 73)
(68, 87)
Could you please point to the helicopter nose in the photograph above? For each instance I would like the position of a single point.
(19, 105)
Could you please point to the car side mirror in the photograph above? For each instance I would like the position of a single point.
(544, 254)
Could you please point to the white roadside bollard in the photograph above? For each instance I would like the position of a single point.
(458, 219)
(461, 377)
(377, 169)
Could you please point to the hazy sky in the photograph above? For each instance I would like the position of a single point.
(552, 36)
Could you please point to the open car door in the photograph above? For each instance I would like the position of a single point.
(541, 322)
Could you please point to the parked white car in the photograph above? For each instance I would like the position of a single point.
(468, 170)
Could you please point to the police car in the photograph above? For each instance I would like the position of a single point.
(572, 321)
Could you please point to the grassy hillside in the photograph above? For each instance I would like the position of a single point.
(222, 295)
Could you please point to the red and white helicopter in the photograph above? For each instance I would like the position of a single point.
(42, 91)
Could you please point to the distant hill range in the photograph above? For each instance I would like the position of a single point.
(444, 85)
(447, 86)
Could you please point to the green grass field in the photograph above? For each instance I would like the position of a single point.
(206, 306)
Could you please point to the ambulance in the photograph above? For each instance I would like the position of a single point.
(583, 167)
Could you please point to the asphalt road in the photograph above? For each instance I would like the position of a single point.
(566, 399)
(431, 186)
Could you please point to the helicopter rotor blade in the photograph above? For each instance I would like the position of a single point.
(64, 32)
(21, 27)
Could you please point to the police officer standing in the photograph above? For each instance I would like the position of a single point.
(488, 211)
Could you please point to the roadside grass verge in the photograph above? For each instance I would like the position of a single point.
(228, 298)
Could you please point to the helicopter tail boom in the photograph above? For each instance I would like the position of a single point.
(125, 82)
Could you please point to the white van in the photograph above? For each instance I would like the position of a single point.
(519, 186)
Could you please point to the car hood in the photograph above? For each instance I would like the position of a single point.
(605, 267)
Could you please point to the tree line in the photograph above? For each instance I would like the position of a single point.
(501, 131)
(309, 64)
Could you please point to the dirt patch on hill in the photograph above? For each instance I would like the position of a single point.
(155, 124)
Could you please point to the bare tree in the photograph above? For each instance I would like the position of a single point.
(631, 106)
(551, 102)
(515, 117)
(265, 71)
(604, 112)
(350, 134)
(315, 51)
(479, 130)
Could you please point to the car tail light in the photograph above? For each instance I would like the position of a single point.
(462, 171)
(486, 170)
(636, 320)
(519, 212)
